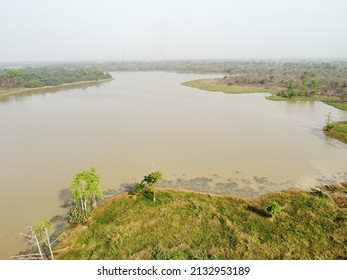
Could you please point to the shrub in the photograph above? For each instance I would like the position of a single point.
(77, 215)
(273, 208)
(139, 188)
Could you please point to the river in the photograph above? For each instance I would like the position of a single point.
(206, 141)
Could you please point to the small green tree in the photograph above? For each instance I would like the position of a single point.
(40, 237)
(151, 179)
(148, 183)
(43, 231)
(329, 124)
(85, 188)
(272, 209)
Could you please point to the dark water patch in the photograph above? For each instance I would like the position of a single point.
(199, 184)
(65, 197)
(124, 187)
(246, 181)
(227, 186)
(263, 181)
(326, 181)
(231, 186)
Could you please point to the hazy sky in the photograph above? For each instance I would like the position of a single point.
(54, 30)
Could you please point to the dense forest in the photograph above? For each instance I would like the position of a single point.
(48, 76)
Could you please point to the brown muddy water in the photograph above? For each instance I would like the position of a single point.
(204, 141)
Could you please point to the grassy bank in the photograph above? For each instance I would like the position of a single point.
(18, 91)
(220, 86)
(217, 85)
(187, 225)
(338, 131)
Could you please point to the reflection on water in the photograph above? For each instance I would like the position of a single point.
(203, 141)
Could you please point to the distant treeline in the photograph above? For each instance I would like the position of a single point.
(296, 79)
(40, 77)
(290, 77)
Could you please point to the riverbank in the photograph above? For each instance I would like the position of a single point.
(217, 85)
(19, 91)
(309, 225)
(338, 130)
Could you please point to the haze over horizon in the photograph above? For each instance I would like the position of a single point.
(90, 30)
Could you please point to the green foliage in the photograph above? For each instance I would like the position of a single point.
(272, 209)
(148, 182)
(77, 215)
(337, 130)
(40, 77)
(85, 188)
(139, 188)
(39, 228)
(288, 80)
(152, 178)
(329, 124)
(43, 230)
(301, 87)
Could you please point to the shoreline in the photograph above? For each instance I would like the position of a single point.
(213, 85)
(337, 131)
(19, 91)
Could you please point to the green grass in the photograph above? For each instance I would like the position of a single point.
(219, 86)
(188, 225)
(338, 131)
(337, 104)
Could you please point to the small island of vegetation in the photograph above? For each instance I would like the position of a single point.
(337, 130)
